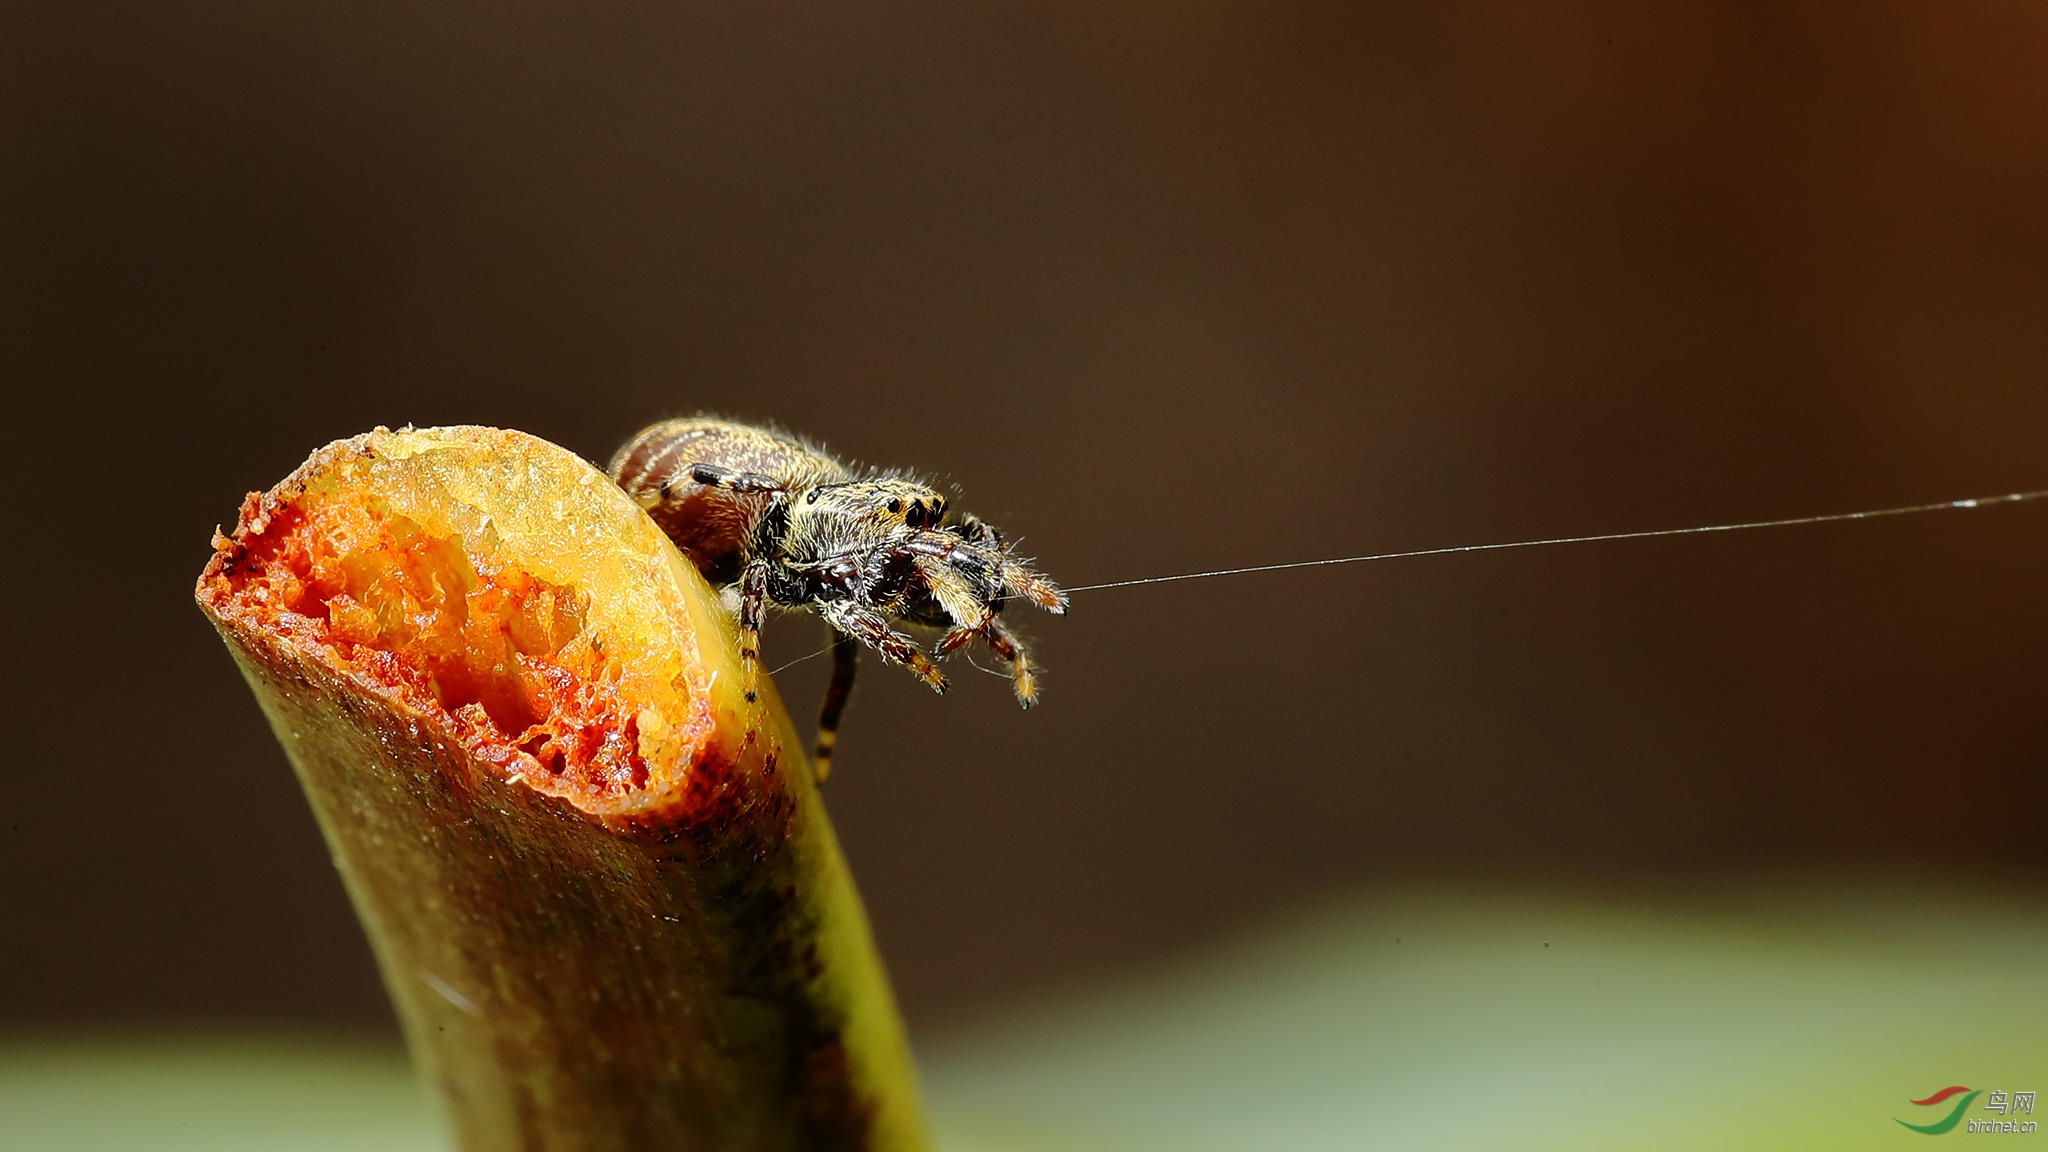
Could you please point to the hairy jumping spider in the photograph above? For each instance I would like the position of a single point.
(779, 522)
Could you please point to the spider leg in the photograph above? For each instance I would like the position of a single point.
(719, 476)
(1033, 587)
(1022, 672)
(754, 579)
(871, 628)
(845, 653)
(956, 593)
(986, 546)
(753, 593)
(980, 533)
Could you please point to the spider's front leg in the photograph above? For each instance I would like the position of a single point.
(958, 595)
(1018, 578)
(1005, 644)
(871, 628)
(958, 574)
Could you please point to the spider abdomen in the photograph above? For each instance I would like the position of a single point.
(709, 524)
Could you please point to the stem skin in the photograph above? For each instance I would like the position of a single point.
(679, 961)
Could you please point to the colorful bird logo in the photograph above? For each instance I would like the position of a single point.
(1955, 1114)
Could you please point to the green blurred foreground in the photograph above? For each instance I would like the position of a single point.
(1795, 1017)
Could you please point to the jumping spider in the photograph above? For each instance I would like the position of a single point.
(776, 521)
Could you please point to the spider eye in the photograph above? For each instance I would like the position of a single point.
(812, 497)
(895, 506)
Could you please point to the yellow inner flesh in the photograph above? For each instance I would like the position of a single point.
(509, 657)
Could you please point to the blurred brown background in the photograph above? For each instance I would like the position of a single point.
(1160, 288)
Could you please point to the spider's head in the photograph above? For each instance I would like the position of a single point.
(879, 507)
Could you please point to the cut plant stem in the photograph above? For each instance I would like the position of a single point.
(600, 885)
